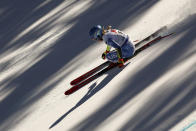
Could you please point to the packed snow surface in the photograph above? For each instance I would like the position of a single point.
(44, 44)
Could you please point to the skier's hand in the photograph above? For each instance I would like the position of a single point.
(120, 62)
(104, 54)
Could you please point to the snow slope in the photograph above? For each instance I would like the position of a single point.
(44, 44)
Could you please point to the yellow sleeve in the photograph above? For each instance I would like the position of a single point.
(108, 48)
(119, 53)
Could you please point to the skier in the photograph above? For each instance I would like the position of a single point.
(124, 48)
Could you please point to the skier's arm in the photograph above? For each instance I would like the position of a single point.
(108, 48)
(120, 59)
(107, 51)
(116, 46)
(119, 53)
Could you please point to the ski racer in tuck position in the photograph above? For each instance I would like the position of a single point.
(124, 48)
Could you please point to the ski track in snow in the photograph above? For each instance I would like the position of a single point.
(45, 44)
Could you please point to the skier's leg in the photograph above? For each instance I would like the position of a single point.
(128, 49)
(112, 56)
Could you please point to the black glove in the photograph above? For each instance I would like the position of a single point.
(104, 54)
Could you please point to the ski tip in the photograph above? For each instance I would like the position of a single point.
(72, 83)
(168, 34)
(135, 40)
(70, 91)
(67, 92)
(75, 81)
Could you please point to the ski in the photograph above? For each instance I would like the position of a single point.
(111, 66)
(85, 82)
(100, 67)
(152, 36)
(89, 73)
(150, 43)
